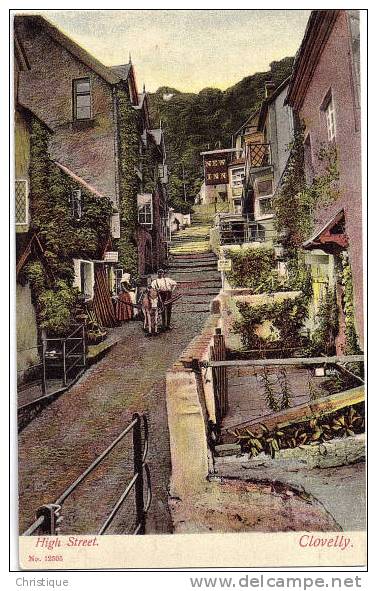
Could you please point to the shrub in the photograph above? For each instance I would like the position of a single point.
(287, 317)
(255, 269)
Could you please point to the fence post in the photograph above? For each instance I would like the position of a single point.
(64, 366)
(44, 349)
(138, 469)
(52, 518)
(83, 345)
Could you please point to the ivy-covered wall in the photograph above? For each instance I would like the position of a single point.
(296, 200)
(63, 237)
(128, 153)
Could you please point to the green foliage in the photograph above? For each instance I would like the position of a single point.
(299, 274)
(296, 199)
(344, 423)
(63, 237)
(128, 182)
(55, 307)
(327, 320)
(195, 122)
(254, 268)
(287, 317)
(352, 342)
(269, 391)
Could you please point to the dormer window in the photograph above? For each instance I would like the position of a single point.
(82, 109)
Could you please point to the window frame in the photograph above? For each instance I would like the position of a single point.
(239, 174)
(75, 94)
(76, 212)
(26, 183)
(143, 213)
(260, 198)
(328, 109)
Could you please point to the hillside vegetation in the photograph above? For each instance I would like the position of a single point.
(206, 120)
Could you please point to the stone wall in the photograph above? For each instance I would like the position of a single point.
(190, 405)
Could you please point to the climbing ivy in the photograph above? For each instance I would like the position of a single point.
(287, 319)
(253, 268)
(296, 199)
(327, 320)
(128, 181)
(352, 342)
(256, 269)
(63, 237)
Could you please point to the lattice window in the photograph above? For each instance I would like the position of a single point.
(22, 205)
(259, 155)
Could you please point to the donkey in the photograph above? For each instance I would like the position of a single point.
(151, 305)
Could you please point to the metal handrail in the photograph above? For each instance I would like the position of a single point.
(118, 504)
(94, 464)
(137, 480)
(37, 523)
(286, 361)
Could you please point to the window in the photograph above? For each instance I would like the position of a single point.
(237, 206)
(22, 206)
(76, 204)
(328, 108)
(82, 99)
(330, 121)
(145, 214)
(264, 187)
(265, 206)
(238, 175)
(145, 209)
(263, 192)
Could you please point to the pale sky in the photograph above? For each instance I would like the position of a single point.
(186, 49)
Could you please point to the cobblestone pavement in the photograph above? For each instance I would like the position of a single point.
(69, 434)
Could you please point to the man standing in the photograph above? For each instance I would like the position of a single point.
(165, 287)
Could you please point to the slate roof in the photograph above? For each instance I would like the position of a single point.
(123, 70)
(109, 75)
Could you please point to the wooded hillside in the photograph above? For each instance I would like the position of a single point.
(206, 120)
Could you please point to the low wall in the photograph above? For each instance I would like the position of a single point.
(190, 405)
(225, 304)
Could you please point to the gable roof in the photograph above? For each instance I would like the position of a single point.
(71, 46)
(20, 54)
(318, 30)
(250, 118)
(123, 70)
(78, 179)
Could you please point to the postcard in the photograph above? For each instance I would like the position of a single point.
(189, 288)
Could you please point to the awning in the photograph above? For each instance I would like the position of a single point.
(331, 235)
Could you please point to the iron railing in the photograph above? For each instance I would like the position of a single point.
(63, 361)
(49, 517)
(242, 231)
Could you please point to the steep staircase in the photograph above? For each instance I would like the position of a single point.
(194, 266)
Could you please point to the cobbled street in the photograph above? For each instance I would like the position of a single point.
(57, 446)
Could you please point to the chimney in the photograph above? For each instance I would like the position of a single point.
(269, 87)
